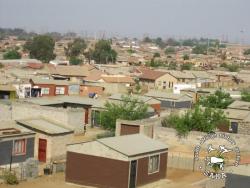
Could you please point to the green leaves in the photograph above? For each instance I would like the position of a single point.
(245, 95)
(219, 99)
(103, 52)
(128, 109)
(198, 119)
(41, 47)
(12, 54)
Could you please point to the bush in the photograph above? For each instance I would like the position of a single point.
(10, 178)
(106, 134)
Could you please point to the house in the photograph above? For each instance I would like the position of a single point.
(151, 78)
(16, 144)
(238, 114)
(128, 127)
(111, 83)
(49, 135)
(153, 103)
(123, 161)
(170, 100)
(85, 90)
(72, 73)
(7, 91)
(48, 87)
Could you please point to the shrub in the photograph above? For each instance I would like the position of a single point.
(106, 135)
(10, 178)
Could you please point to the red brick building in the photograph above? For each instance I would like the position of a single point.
(47, 87)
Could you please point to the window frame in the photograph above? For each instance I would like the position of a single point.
(23, 147)
(158, 166)
(47, 89)
(59, 89)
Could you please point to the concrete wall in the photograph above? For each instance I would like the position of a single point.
(5, 112)
(71, 116)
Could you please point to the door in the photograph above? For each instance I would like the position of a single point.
(42, 150)
(234, 127)
(86, 120)
(133, 172)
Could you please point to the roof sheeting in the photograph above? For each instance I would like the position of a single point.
(166, 96)
(46, 126)
(49, 81)
(133, 145)
(242, 105)
(149, 74)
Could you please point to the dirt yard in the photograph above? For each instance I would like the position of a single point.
(175, 179)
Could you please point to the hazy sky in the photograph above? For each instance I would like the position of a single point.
(166, 18)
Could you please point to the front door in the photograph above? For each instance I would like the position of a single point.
(86, 118)
(132, 177)
(42, 149)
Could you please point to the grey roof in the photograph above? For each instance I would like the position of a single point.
(146, 99)
(132, 145)
(50, 81)
(166, 96)
(242, 105)
(236, 114)
(44, 125)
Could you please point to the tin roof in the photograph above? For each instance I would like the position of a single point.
(133, 145)
(44, 125)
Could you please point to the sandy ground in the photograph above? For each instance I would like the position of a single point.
(175, 179)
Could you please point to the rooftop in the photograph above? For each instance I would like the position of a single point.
(241, 105)
(44, 125)
(132, 145)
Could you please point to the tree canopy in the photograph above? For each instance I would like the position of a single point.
(41, 47)
(247, 52)
(245, 95)
(200, 49)
(219, 99)
(103, 53)
(75, 48)
(170, 50)
(186, 66)
(12, 54)
(198, 119)
(130, 108)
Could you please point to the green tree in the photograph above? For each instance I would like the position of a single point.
(198, 119)
(157, 54)
(186, 57)
(130, 108)
(245, 95)
(219, 99)
(200, 49)
(75, 60)
(159, 42)
(233, 67)
(103, 53)
(247, 52)
(186, 66)
(12, 54)
(172, 42)
(169, 50)
(75, 48)
(41, 47)
(147, 40)
(172, 65)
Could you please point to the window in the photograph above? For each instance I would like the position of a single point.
(19, 147)
(60, 90)
(45, 91)
(153, 165)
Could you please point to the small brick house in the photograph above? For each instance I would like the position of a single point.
(119, 162)
(48, 87)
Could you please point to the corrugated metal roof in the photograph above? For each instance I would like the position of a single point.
(132, 145)
(242, 105)
(166, 96)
